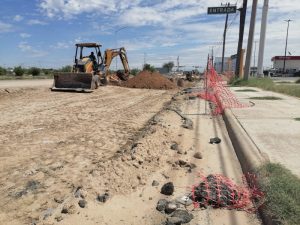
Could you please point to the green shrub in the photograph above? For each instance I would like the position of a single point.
(282, 189)
(34, 71)
(19, 71)
(3, 71)
(149, 68)
(134, 72)
(66, 69)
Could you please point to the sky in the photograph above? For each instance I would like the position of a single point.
(43, 33)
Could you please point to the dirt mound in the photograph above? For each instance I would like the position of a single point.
(149, 80)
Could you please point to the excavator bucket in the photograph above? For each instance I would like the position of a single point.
(79, 82)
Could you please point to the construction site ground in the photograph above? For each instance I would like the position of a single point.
(114, 140)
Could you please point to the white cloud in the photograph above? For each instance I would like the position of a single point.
(36, 22)
(18, 18)
(179, 23)
(5, 27)
(25, 35)
(30, 51)
(61, 45)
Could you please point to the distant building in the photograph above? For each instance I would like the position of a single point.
(218, 64)
(292, 64)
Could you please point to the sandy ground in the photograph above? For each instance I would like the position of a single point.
(50, 141)
(56, 145)
(25, 83)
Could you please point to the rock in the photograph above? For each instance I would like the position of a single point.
(82, 203)
(59, 200)
(198, 155)
(180, 151)
(183, 215)
(161, 205)
(174, 221)
(103, 198)
(47, 213)
(188, 124)
(59, 218)
(170, 207)
(136, 165)
(181, 163)
(68, 209)
(215, 140)
(184, 200)
(175, 146)
(167, 189)
(80, 193)
(155, 183)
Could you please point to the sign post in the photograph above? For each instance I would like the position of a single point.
(227, 9)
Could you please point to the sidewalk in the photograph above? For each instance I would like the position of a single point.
(271, 125)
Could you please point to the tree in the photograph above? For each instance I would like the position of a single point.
(19, 71)
(149, 68)
(169, 66)
(135, 71)
(3, 71)
(66, 69)
(34, 71)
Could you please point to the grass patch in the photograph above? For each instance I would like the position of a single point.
(266, 98)
(246, 90)
(282, 189)
(269, 85)
(297, 81)
(297, 119)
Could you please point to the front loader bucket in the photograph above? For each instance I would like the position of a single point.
(80, 82)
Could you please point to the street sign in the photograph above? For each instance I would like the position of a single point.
(221, 10)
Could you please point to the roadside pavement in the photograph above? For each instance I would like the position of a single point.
(271, 125)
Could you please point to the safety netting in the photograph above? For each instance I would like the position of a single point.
(217, 93)
(218, 191)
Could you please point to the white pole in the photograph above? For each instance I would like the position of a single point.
(262, 40)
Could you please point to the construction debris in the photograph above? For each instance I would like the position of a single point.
(167, 189)
(219, 191)
(215, 140)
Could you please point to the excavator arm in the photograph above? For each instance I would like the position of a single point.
(110, 54)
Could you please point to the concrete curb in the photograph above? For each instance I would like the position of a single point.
(249, 155)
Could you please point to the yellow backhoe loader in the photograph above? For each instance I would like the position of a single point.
(90, 70)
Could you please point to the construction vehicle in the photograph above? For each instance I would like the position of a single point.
(91, 71)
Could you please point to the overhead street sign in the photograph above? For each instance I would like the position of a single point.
(221, 10)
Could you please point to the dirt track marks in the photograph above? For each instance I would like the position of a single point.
(54, 137)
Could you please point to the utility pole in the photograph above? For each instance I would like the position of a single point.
(250, 40)
(212, 56)
(286, 41)
(144, 59)
(263, 28)
(254, 63)
(243, 12)
(224, 40)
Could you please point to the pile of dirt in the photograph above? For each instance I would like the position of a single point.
(148, 80)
